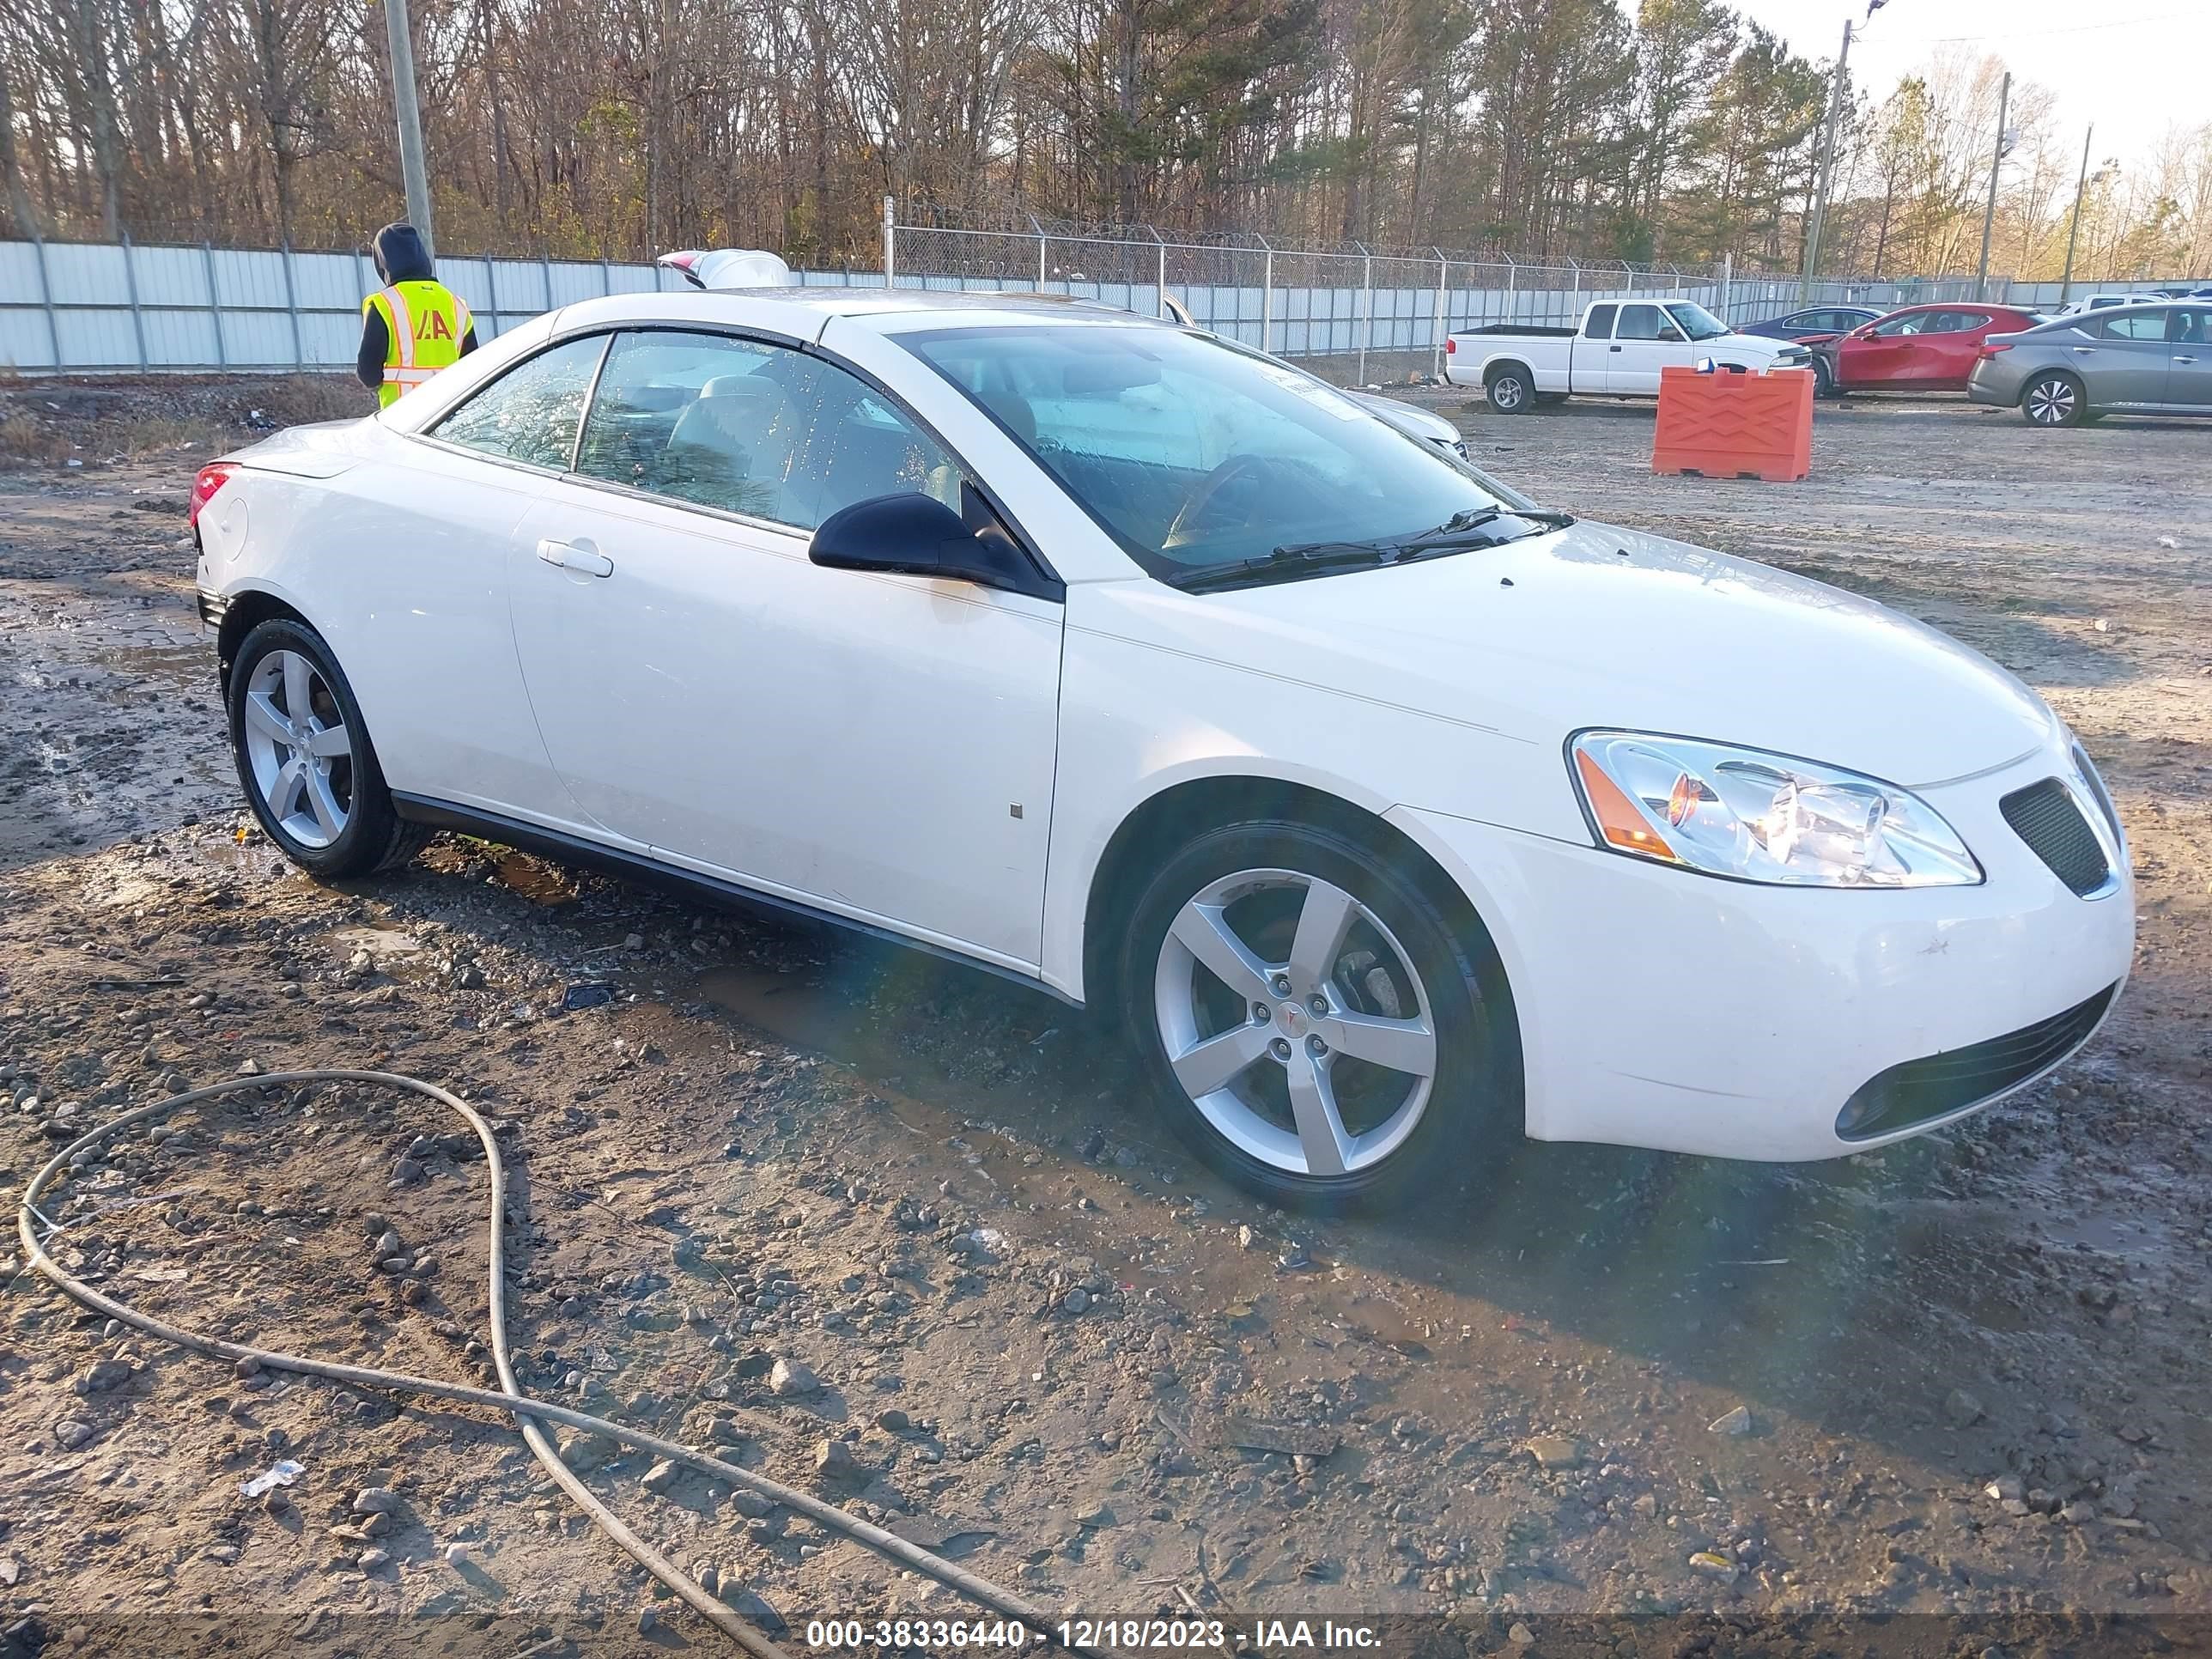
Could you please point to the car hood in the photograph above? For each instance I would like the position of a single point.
(1770, 344)
(1407, 417)
(1595, 626)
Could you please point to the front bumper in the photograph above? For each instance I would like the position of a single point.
(1664, 1009)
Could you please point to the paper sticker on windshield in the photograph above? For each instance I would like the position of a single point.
(1312, 390)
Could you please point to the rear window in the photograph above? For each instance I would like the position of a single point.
(530, 414)
(1600, 325)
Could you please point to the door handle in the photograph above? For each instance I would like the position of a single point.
(2184, 359)
(1613, 347)
(571, 557)
(2082, 351)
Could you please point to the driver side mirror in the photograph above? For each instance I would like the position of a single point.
(914, 535)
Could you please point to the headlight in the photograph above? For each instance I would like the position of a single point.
(1756, 816)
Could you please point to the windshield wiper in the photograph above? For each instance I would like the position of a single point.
(1474, 518)
(1299, 559)
(1312, 558)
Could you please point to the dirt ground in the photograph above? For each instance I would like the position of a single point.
(1971, 1373)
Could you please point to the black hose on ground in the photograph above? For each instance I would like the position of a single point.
(530, 1415)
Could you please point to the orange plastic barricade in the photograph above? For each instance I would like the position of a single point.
(1735, 426)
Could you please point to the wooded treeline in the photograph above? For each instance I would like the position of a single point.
(1639, 130)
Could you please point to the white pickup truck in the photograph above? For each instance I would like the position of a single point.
(1618, 352)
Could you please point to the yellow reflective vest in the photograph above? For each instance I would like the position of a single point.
(424, 323)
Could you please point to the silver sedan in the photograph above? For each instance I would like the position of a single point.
(2129, 360)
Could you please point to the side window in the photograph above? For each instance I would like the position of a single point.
(705, 418)
(530, 413)
(1599, 325)
(863, 446)
(1913, 323)
(2192, 326)
(1644, 323)
(2134, 323)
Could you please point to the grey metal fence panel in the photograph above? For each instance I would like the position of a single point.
(24, 341)
(326, 281)
(97, 337)
(89, 275)
(254, 339)
(569, 282)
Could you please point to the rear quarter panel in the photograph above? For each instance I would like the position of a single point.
(398, 562)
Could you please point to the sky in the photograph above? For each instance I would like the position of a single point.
(2131, 66)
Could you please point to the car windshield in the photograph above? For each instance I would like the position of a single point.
(1195, 454)
(1696, 321)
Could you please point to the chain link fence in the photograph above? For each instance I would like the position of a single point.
(1359, 313)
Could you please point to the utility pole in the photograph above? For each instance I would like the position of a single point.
(1997, 162)
(411, 171)
(1827, 170)
(2073, 226)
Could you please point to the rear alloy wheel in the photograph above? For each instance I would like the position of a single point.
(2053, 399)
(1509, 391)
(1317, 1031)
(305, 759)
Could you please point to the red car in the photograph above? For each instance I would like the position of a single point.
(1918, 349)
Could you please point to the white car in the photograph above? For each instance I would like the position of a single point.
(2089, 302)
(1390, 814)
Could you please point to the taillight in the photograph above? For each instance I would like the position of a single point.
(1990, 348)
(212, 477)
(1451, 347)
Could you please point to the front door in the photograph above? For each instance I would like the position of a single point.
(1887, 354)
(2124, 360)
(879, 746)
(1645, 340)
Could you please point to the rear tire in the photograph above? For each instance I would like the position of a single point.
(1510, 390)
(305, 760)
(2054, 398)
(1313, 1025)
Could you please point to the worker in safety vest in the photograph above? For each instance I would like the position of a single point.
(412, 326)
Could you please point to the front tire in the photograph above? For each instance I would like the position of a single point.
(1314, 1027)
(1511, 390)
(2053, 399)
(1824, 382)
(305, 760)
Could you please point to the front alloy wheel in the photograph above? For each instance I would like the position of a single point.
(1314, 1022)
(1320, 1063)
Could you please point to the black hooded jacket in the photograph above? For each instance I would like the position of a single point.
(400, 258)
